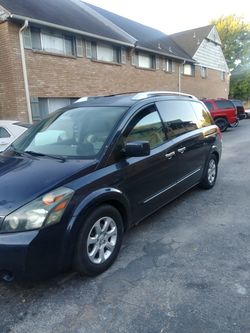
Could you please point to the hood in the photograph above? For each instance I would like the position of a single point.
(23, 179)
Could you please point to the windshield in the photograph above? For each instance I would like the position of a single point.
(78, 132)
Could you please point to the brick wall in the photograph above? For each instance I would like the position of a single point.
(12, 94)
(211, 87)
(59, 76)
(56, 76)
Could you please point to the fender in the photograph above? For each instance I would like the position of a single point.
(94, 199)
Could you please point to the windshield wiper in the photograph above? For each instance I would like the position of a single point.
(33, 153)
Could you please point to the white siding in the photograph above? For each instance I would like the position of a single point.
(214, 36)
(209, 54)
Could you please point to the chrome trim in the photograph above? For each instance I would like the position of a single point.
(171, 186)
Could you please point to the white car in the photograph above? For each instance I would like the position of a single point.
(10, 130)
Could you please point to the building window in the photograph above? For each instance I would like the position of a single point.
(168, 65)
(144, 60)
(188, 69)
(41, 107)
(53, 42)
(223, 76)
(204, 72)
(103, 52)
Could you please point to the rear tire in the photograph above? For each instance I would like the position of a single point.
(210, 173)
(99, 241)
(222, 123)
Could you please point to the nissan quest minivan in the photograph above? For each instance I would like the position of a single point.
(72, 184)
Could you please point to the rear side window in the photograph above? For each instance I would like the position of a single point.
(4, 133)
(178, 117)
(224, 104)
(203, 116)
(208, 105)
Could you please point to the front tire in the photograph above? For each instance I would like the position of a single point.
(222, 123)
(210, 174)
(99, 241)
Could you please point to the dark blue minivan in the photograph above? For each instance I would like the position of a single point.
(75, 182)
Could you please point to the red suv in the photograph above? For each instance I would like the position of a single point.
(223, 111)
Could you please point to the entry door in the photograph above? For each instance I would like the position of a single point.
(148, 181)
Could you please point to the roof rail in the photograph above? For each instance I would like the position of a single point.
(147, 94)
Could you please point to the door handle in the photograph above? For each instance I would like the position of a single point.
(181, 150)
(170, 155)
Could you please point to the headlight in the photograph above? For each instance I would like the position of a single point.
(43, 211)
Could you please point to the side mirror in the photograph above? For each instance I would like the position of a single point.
(136, 149)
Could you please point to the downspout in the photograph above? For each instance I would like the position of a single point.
(179, 83)
(25, 75)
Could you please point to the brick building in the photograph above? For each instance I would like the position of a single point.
(53, 52)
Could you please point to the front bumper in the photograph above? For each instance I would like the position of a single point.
(30, 255)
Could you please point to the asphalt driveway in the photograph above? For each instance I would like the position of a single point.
(184, 269)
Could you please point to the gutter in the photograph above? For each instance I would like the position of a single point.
(75, 31)
(172, 55)
(24, 67)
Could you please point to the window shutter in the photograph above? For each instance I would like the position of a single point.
(134, 59)
(94, 50)
(164, 64)
(193, 70)
(123, 55)
(79, 47)
(34, 102)
(173, 66)
(157, 63)
(36, 39)
(27, 39)
(88, 49)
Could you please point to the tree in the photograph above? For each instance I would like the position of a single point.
(235, 37)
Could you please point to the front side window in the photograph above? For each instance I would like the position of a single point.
(4, 133)
(149, 128)
(208, 105)
(224, 104)
(77, 132)
(178, 117)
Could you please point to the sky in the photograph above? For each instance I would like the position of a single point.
(176, 15)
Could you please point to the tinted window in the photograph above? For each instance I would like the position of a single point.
(204, 117)
(150, 129)
(4, 133)
(208, 105)
(237, 103)
(178, 117)
(224, 104)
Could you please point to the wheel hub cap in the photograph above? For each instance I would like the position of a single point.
(211, 171)
(101, 240)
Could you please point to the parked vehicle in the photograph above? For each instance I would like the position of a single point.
(111, 161)
(223, 112)
(241, 113)
(9, 131)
